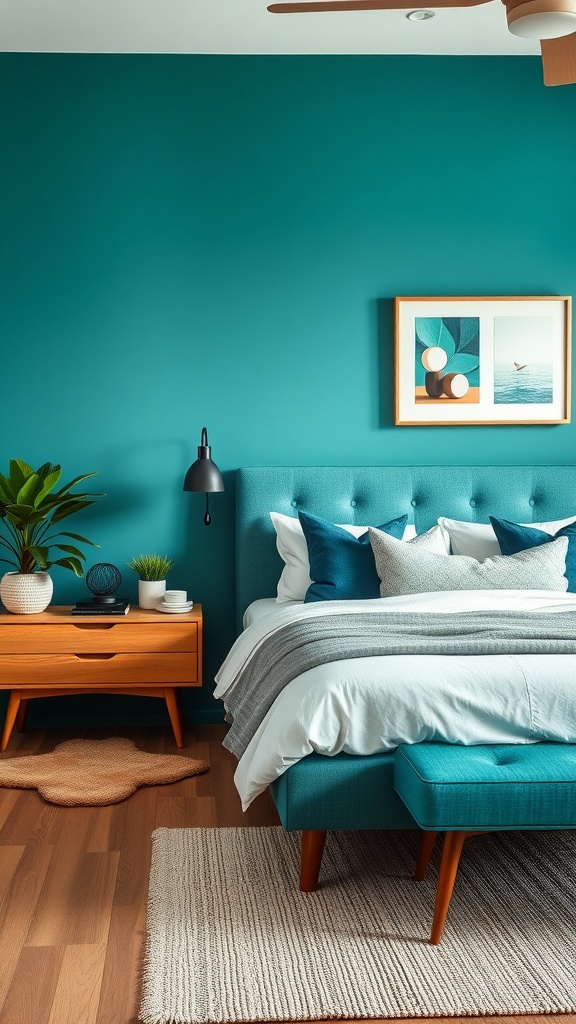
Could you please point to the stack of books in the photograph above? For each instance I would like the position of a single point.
(120, 606)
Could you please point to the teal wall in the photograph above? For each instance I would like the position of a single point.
(212, 240)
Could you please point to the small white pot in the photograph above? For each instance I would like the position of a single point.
(150, 592)
(26, 593)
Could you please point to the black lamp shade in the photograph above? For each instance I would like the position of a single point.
(204, 474)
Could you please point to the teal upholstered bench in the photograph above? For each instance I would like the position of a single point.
(465, 790)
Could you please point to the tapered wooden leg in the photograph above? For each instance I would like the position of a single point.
(426, 847)
(21, 716)
(312, 848)
(11, 713)
(453, 843)
(173, 706)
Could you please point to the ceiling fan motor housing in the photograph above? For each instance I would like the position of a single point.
(541, 19)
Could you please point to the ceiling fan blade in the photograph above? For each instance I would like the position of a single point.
(559, 60)
(318, 6)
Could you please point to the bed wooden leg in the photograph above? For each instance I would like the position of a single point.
(312, 848)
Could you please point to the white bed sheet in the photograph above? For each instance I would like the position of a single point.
(370, 705)
(263, 606)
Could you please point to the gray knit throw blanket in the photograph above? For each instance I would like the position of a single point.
(303, 645)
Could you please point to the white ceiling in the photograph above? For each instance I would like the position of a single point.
(246, 27)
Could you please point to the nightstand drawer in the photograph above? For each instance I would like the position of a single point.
(106, 637)
(81, 669)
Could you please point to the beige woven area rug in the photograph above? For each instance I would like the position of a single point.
(230, 937)
(91, 773)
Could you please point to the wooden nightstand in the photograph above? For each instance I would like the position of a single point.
(54, 653)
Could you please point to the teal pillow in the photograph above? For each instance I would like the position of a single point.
(513, 538)
(342, 566)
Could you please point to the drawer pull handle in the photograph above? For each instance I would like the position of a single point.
(93, 625)
(95, 657)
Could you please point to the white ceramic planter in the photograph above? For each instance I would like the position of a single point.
(150, 592)
(26, 593)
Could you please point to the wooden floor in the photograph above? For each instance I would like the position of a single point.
(74, 881)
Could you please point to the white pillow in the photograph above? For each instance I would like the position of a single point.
(292, 548)
(403, 570)
(291, 543)
(478, 540)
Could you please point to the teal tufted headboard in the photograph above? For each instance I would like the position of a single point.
(372, 494)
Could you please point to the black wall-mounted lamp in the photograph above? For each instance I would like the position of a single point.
(204, 474)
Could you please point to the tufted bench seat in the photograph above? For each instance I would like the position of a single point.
(465, 790)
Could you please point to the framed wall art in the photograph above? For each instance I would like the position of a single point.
(493, 359)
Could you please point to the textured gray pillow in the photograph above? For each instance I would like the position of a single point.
(408, 569)
(433, 540)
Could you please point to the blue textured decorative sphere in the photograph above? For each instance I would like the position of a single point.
(103, 578)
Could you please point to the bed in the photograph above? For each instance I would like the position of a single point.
(337, 789)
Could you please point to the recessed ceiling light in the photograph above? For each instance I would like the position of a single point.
(420, 15)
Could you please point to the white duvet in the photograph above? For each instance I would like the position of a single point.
(370, 705)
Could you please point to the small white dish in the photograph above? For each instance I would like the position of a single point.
(175, 609)
(176, 597)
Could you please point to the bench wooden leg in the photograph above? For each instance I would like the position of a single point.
(453, 843)
(312, 848)
(426, 847)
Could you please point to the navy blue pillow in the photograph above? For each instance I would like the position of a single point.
(513, 538)
(342, 566)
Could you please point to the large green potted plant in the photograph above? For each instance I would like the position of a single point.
(30, 509)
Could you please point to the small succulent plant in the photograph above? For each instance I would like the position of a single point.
(151, 567)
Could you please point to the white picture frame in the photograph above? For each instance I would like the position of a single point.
(482, 360)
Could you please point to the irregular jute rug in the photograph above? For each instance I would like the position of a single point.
(94, 772)
(230, 937)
